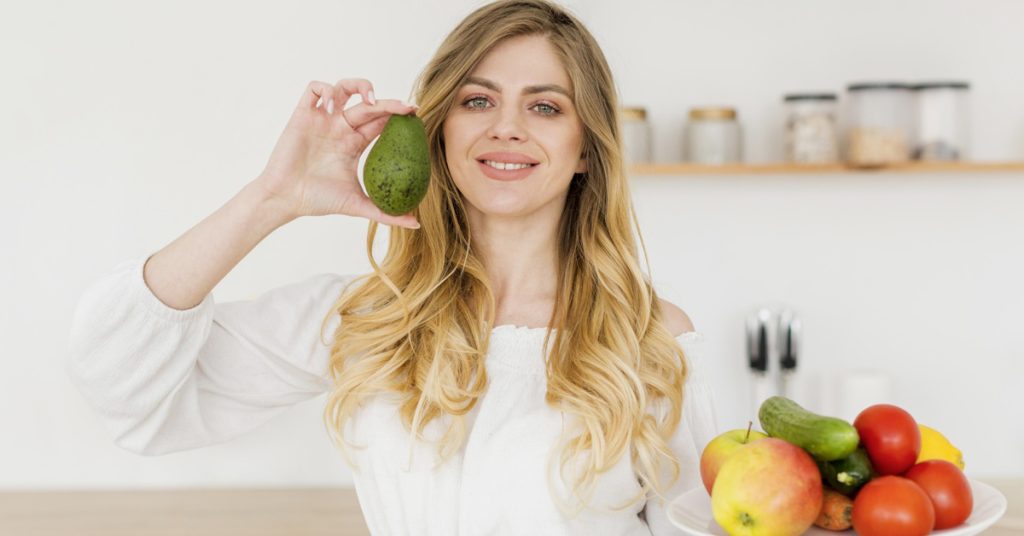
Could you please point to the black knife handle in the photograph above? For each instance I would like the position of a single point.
(757, 341)
(789, 344)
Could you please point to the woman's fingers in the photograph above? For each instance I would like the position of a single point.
(314, 94)
(408, 221)
(371, 130)
(332, 98)
(365, 208)
(346, 87)
(363, 113)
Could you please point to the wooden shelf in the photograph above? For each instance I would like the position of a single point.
(792, 169)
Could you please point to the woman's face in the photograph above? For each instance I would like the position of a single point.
(515, 108)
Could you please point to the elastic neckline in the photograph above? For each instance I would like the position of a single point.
(519, 328)
(518, 348)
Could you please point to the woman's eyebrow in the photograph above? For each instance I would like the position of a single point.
(529, 90)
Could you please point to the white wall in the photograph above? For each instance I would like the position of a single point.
(123, 124)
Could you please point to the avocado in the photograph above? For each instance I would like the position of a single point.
(397, 170)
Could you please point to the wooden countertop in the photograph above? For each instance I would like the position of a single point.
(247, 512)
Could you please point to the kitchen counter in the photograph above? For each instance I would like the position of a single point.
(1013, 521)
(247, 512)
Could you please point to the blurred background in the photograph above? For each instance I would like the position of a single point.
(123, 124)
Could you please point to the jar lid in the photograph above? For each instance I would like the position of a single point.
(713, 112)
(942, 84)
(861, 86)
(634, 113)
(809, 96)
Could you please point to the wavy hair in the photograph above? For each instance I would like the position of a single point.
(419, 325)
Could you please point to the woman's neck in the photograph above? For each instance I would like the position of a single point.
(521, 259)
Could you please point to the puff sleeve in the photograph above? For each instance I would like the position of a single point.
(165, 380)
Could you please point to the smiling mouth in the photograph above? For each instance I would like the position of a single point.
(498, 171)
(505, 165)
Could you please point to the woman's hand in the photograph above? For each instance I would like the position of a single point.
(312, 169)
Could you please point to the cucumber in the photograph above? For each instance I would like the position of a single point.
(824, 438)
(848, 474)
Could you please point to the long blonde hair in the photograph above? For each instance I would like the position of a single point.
(419, 325)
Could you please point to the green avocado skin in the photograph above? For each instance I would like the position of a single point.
(397, 170)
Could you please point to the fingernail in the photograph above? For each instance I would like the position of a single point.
(373, 100)
(330, 106)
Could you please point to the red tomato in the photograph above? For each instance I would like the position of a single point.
(892, 506)
(948, 489)
(891, 437)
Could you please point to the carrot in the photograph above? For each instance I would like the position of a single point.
(836, 511)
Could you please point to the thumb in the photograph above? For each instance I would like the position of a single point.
(365, 208)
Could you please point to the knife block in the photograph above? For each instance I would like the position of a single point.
(773, 343)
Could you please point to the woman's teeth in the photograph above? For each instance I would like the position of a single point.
(506, 165)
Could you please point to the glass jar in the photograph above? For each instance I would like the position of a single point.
(636, 135)
(941, 127)
(811, 132)
(880, 123)
(713, 136)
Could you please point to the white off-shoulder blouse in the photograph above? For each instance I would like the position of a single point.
(165, 380)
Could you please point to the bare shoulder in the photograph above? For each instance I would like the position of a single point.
(675, 319)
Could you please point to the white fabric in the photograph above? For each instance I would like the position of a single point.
(166, 380)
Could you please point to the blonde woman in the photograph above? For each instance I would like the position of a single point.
(507, 367)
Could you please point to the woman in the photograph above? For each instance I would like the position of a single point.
(507, 368)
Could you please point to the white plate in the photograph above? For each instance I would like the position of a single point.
(691, 512)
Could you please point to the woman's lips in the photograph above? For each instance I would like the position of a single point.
(505, 174)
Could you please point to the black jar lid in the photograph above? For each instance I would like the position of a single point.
(862, 86)
(942, 84)
(790, 97)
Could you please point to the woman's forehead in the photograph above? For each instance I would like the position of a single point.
(522, 62)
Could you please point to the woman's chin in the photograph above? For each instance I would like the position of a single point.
(494, 210)
(499, 206)
(503, 212)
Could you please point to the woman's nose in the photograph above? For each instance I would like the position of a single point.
(507, 125)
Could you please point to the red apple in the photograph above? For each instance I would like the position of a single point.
(721, 448)
(767, 487)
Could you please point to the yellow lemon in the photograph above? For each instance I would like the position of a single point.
(935, 446)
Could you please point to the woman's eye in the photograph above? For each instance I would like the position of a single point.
(473, 103)
(547, 109)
